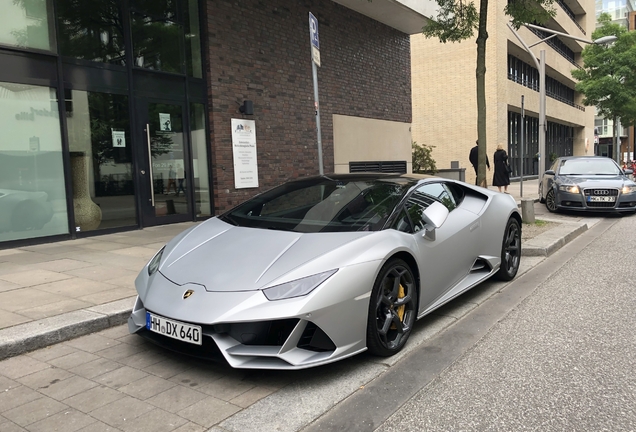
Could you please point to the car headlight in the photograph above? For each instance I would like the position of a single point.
(153, 265)
(298, 287)
(569, 188)
(628, 189)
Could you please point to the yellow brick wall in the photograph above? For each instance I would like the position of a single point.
(444, 91)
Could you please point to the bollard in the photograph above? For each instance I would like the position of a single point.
(527, 210)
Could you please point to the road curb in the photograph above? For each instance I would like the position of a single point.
(547, 243)
(38, 334)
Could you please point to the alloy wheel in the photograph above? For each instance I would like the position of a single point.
(550, 201)
(393, 309)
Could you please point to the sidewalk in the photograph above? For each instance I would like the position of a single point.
(57, 291)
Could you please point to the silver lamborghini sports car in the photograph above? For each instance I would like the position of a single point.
(587, 183)
(323, 268)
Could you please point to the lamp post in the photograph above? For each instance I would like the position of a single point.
(540, 65)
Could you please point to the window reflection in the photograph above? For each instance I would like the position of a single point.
(32, 189)
(200, 160)
(101, 160)
(193, 39)
(157, 34)
(92, 30)
(27, 24)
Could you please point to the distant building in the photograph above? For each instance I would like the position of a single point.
(445, 101)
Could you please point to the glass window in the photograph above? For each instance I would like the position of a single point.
(27, 24)
(200, 160)
(101, 160)
(157, 35)
(423, 197)
(92, 30)
(317, 204)
(32, 188)
(193, 39)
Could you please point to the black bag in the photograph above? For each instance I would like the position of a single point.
(508, 168)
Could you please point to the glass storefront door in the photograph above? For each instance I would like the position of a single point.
(163, 174)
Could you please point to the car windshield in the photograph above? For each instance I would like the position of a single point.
(588, 167)
(322, 205)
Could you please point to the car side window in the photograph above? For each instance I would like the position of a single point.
(402, 223)
(440, 192)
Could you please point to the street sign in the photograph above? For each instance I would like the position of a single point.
(313, 31)
(315, 40)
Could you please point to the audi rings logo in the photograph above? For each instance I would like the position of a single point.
(601, 192)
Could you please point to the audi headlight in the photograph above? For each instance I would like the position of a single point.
(298, 287)
(628, 189)
(153, 265)
(569, 188)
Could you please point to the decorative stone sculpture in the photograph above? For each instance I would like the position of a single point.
(88, 215)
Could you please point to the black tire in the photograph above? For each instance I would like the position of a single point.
(550, 201)
(510, 251)
(392, 309)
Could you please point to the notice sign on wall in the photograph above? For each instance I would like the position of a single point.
(244, 149)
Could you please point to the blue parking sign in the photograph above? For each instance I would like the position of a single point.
(313, 30)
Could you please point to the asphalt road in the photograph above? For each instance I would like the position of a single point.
(563, 359)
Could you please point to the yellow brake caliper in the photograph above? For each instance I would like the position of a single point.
(400, 309)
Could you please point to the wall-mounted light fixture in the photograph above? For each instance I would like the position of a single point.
(247, 108)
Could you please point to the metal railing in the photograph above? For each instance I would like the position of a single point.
(569, 13)
(555, 47)
(535, 87)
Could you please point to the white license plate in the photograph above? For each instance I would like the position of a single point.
(601, 199)
(174, 329)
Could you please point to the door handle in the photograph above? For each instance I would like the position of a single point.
(152, 178)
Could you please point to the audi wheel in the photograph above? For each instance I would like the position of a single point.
(550, 201)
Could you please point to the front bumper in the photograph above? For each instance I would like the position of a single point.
(581, 202)
(249, 331)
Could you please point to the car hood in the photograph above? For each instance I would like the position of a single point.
(595, 181)
(223, 257)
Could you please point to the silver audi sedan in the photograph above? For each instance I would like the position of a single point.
(323, 268)
(587, 183)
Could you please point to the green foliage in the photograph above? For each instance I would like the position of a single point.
(607, 79)
(457, 20)
(423, 161)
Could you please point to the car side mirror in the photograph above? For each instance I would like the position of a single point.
(549, 172)
(433, 216)
(628, 171)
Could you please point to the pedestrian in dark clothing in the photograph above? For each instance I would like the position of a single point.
(501, 177)
(474, 159)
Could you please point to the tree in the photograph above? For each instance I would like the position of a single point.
(607, 79)
(457, 21)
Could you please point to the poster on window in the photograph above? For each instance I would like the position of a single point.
(244, 151)
(165, 125)
(119, 138)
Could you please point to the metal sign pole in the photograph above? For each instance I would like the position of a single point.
(315, 57)
(522, 152)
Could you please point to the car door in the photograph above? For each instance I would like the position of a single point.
(445, 258)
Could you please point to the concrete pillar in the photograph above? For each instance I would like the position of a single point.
(527, 210)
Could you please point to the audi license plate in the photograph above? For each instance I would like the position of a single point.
(601, 199)
(174, 329)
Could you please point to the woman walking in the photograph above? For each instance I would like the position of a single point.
(501, 177)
